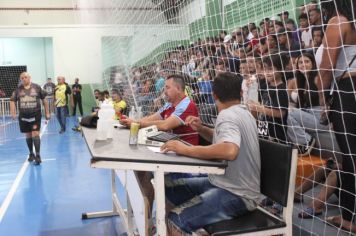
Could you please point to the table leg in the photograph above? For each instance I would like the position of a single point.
(117, 210)
(160, 203)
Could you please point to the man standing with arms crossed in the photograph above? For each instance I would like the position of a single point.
(77, 97)
(28, 96)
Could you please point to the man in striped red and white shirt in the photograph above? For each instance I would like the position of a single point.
(172, 115)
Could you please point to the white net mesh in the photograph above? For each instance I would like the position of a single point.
(279, 57)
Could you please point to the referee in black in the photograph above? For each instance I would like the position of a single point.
(77, 97)
(28, 97)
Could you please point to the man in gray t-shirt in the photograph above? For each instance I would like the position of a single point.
(201, 201)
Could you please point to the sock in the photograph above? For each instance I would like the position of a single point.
(37, 142)
(30, 144)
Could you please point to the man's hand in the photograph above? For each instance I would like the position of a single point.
(48, 117)
(174, 146)
(13, 116)
(254, 106)
(126, 122)
(194, 122)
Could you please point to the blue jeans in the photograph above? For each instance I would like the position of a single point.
(199, 203)
(304, 122)
(61, 116)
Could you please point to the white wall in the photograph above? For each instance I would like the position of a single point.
(35, 53)
(76, 50)
(60, 12)
(192, 12)
(115, 51)
(79, 17)
(227, 2)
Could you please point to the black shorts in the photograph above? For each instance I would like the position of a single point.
(29, 124)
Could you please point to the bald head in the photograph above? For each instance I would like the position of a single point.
(60, 79)
(25, 78)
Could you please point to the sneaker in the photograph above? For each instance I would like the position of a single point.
(61, 131)
(38, 160)
(31, 157)
(305, 150)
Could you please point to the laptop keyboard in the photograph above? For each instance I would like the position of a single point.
(163, 137)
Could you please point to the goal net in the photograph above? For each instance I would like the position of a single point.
(277, 47)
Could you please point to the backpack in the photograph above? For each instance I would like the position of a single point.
(89, 121)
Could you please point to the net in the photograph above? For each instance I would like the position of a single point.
(277, 47)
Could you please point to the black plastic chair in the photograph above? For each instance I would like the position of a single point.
(278, 171)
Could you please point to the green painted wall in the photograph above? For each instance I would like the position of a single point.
(210, 24)
(213, 17)
(158, 53)
(88, 99)
(237, 13)
(242, 12)
(198, 29)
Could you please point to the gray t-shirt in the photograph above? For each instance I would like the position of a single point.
(242, 176)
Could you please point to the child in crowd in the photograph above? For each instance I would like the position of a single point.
(118, 103)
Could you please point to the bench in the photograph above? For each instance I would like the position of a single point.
(278, 172)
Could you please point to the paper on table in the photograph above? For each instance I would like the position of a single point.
(158, 150)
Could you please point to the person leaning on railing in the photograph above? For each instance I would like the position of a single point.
(338, 71)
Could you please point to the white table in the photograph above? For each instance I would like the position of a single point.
(122, 159)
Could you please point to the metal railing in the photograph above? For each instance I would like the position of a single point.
(4, 107)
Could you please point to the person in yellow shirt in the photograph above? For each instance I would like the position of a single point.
(61, 93)
(119, 104)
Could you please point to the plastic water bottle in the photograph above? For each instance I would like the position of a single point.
(139, 113)
(106, 116)
(244, 89)
(252, 93)
(132, 113)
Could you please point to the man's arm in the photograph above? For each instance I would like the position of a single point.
(13, 100)
(13, 109)
(207, 133)
(68, 90)
(255, 107)
(219, 151)
(196, 124)
(46, 107)
(127, 122)
(170, 123)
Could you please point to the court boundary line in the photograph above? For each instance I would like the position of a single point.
(10, 195)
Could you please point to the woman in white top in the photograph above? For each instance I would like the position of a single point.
(338, 71)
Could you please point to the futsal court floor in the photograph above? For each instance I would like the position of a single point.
(49, 199)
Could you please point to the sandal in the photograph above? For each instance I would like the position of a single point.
(331, 220)
(309, 213)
